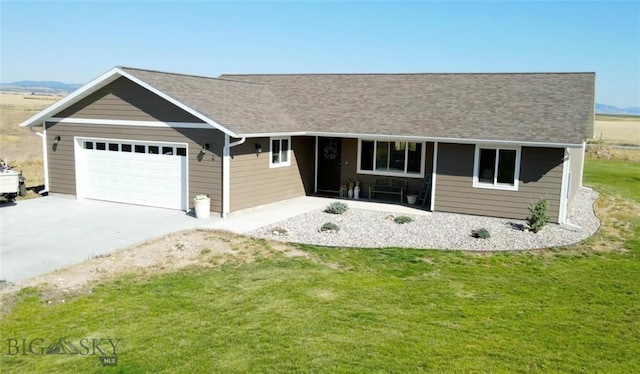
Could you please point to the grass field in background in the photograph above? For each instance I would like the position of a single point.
(20, 147)
(570, 309)
(617, 129)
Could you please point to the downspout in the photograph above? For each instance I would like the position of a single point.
(45, 159)
(564, 189)
(226, 172)
(584, 155)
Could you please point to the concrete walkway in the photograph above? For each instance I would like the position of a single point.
(44, 234)
(252, 219)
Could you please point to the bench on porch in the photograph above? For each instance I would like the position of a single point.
(390, 186)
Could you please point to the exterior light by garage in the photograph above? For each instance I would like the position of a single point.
(258, 148)
(56, 140)
(204, 149)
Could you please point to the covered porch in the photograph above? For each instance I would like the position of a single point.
(394, 171)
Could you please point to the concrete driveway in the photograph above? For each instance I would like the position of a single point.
(40, 235)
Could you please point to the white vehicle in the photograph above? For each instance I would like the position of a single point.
(12, 183)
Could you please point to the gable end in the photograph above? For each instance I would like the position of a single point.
(123, 99)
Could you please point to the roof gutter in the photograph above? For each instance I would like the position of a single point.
(226, 172)
(415, 138)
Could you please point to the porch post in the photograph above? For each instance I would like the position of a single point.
(433, 177)
(315, 172)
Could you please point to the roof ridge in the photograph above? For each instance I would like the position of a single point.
(166, 72)
(190, 75)
(239, 81)
(383, 74)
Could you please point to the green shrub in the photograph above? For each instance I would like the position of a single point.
(480, 233)
(329, 227)
(539, 215)
(402, 219)
(337, 208)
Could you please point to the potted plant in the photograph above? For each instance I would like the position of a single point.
(202, 206)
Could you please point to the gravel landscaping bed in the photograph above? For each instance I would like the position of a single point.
(370, 229)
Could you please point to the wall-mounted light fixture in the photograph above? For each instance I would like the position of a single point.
(56, 140)
(258, 148)
(204, 149)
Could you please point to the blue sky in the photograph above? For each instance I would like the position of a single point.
(77, 41)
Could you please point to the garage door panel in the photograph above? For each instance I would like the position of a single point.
(137, 178)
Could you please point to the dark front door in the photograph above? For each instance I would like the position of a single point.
(329, 151)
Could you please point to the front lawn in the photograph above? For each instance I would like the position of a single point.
(348, 310)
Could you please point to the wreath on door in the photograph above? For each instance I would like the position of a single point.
(330, 151)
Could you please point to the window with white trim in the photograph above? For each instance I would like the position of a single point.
(130, 147)
(280, 152)
(496, 167)
(383, 157)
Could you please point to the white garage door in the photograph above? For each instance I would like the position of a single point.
(135, 172)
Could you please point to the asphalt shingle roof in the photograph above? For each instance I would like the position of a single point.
(526, 107)
(534, 107)
(239, 106)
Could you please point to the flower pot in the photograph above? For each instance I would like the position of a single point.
(202, 207)
(411, 199)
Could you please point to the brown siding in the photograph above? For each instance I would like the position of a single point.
(540, 177)
(576, 157)
(125, 100)
(349, 169)
(205, 175)
(254, 183)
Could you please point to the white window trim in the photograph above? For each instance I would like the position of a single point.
(404, 174)
(496, 186)
(279, 164)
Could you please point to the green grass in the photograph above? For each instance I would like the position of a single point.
(350, 310)
(613, 176)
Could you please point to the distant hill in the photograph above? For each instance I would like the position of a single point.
(610, 109)
(40, 87)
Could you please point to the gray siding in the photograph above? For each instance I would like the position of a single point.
(540, 177)
(576, 158)
(254, 183)
(350, 166)
(125, 100)
(205, 175)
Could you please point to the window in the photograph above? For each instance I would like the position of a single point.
(154, 148)
(496, 168)
(280, 152)
(391, 158)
